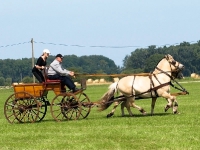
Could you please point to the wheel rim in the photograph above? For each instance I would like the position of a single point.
(85, 101)
(21, 107)
(43, 108)
(65, 107)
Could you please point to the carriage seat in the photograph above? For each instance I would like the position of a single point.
(45, 74)
(48, 81)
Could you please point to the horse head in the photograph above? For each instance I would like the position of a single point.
(176, 67)
(177, 75)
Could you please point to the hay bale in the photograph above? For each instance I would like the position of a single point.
(89, 80)
(193, 75)
(96, 81)
(102, 80)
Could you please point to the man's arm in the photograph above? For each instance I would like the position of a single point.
(58, 68)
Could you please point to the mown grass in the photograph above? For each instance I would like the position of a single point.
(163, 131)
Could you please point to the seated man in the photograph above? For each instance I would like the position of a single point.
(57, 72)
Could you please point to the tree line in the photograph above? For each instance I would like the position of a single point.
(145, 60)
(139, 61)
(20, 70)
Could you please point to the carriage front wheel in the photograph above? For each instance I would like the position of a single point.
(21, 107)
(65, 106)
(85, 103)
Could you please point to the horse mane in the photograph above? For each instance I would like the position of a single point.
(167, 57)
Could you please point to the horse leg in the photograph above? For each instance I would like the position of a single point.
(153, 105)
(132, 103)
(139, 108)
(113, 110)
(127, 104)
(175, 107)
(123, 104)
(170, 103)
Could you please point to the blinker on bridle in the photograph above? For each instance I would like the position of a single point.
(173, 63)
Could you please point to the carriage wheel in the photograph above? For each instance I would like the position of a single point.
(65, 107)
(85, 103)
(21, 107)
(43, 108)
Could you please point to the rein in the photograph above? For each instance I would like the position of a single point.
(150, 90)
(180, 89)
(122, 97)
(184, 91)
(112, 75)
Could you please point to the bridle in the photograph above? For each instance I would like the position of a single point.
(171, 63)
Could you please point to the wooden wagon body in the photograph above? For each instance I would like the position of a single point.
(36, 89)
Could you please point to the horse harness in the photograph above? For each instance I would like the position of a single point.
(154, 88)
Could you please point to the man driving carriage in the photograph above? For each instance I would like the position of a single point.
(57, 72)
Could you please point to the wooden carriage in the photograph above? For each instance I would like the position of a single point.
(29, 102)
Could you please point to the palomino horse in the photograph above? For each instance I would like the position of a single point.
(156, 84)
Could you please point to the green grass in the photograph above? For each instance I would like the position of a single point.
(163, 131)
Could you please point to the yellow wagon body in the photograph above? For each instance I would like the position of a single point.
(36, 89)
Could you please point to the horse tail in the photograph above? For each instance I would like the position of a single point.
(107, 99)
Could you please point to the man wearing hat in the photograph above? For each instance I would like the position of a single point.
(57, 72)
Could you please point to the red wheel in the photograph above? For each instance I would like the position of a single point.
(21, 107)
(65, 107)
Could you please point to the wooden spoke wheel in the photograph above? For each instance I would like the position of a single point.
(85, 104)
(65, 107)
(21, 107)
(43, 108)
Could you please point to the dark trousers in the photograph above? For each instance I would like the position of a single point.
(66, 80)
(39, 76)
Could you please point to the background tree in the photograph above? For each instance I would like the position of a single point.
(139, 61)
(2, 81)
(27, 80)
(145, 60)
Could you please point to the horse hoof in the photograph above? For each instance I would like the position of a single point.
(109, 115)
(166, 108)
(176, 112)
(144, 113)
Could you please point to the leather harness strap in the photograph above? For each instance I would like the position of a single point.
(133, 84)
(165, 72)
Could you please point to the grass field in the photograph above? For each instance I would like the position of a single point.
(163, 131)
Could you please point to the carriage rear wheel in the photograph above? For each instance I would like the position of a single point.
(65, 107)
(85, 104)
(21, 107)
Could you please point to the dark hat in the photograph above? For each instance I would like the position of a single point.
(59, 55)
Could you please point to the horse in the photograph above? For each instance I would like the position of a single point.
(175, 75)
(154, 85)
